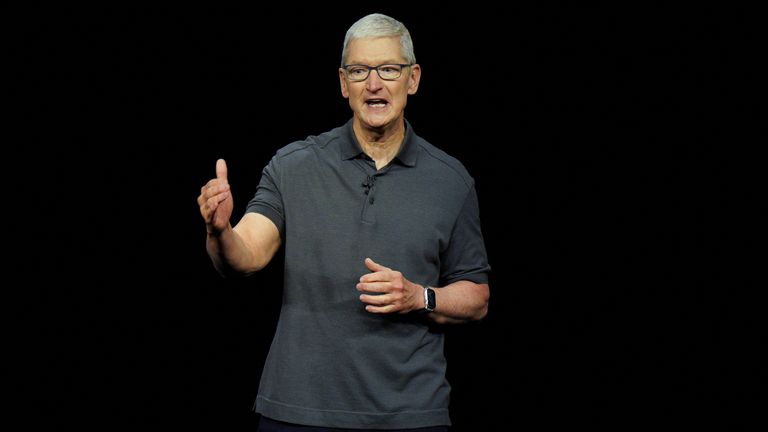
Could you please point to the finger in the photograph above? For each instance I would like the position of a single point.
(213, 187)
(382, 276)
(221, 169)
(376, 300)
(220, 189)
(213, 202)
(211, 183)
(380, 309)
(224, 195)
(374, 266)
(375, 287)
(202, 202)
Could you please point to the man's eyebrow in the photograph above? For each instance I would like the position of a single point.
(388, 62)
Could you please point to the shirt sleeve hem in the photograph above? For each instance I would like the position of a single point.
(270, 214)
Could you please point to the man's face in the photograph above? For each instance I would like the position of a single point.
(378, 103)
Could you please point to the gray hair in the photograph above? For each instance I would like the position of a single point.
(378, 25)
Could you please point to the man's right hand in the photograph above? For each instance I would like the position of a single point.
(215, 201)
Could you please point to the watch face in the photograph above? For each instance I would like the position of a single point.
(430, 299)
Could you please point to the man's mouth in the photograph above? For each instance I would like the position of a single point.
(376, 103)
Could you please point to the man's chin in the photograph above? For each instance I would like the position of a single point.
(375, 123)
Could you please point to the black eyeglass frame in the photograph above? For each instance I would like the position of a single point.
(370, 68)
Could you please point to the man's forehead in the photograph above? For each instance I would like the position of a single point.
(380, 50)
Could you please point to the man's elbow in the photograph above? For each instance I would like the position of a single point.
(482, 313)
(484, 295)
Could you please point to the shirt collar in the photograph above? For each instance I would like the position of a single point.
(407, 155)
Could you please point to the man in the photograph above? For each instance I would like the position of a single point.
(382, 244)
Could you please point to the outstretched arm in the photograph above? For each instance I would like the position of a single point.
(244, 249)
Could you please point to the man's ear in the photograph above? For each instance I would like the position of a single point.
(413, 79)
(343, 83)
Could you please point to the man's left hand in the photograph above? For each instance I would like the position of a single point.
(390, 290)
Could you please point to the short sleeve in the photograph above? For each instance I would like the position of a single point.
(465, 257)
(268, 200)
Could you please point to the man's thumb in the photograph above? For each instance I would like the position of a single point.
(221, 169)
(374, 266)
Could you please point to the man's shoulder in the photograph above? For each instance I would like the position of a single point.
(437, 159)
(310, 143)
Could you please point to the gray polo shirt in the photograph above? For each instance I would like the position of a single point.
(331, 363)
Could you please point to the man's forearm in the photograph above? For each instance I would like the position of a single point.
(230, 255)
(460, 302)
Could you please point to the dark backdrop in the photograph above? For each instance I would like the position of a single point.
(612, 153)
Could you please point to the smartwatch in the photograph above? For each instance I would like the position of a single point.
(429, 299)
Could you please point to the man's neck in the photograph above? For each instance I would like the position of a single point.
(381, 145)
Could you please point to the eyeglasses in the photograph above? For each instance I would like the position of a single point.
(389, 72)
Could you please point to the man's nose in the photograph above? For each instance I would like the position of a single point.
(373, 82)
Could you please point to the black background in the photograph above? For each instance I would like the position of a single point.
(614, 153)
